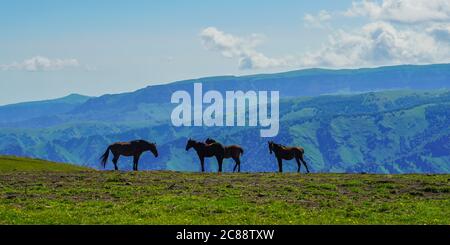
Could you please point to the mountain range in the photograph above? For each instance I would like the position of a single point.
(381, 120)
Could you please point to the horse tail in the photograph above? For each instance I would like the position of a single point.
(105, 156)
(242, 151)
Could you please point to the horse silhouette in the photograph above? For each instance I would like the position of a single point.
(207, 150)
(287, 153)
(231, 151)
(133, 148)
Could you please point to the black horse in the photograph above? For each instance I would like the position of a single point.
(287, 153)
(207, 150)
(231, 151)
(133, 148)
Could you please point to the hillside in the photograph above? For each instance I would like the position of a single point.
(103, 197)
(312, 82)
(401, 128)
(384, 132)
(21, 164)
(22, 112)
(150, 105)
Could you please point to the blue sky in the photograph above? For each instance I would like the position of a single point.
(49, 49)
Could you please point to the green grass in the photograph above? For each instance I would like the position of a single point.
(75, 196)
(12, 163)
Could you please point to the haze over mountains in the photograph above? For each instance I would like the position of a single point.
(388, 119)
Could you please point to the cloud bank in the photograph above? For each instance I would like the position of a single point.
(395, 32)
(404, 11)
(40, 63)
(381, 43)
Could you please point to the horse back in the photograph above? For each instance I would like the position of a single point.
(300, 149)
(217, 148)
(233, 151)
(233, 147)
(209, 150)
(290, 152)
(118, 145)
(123, 148)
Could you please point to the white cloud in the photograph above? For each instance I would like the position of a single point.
(243, 49)
(317, 20)
(403, 11)
(40, 63)
(395, 32)
(375, 44)
(379, 43)
(401, 31)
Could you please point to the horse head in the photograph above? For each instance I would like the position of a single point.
(152, 148)
(190, 144)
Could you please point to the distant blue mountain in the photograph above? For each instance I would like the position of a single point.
(28, 110)
(149, 105)
(311, 82)
(384, 120)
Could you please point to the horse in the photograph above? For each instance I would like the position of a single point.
(133, 148)
(207, 150)
(287, 153)
(231, 151)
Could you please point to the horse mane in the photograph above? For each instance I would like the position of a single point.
(197, 142)
(143, 141)
(279, 145)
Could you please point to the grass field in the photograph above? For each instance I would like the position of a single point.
(12, 163)
(63, 194)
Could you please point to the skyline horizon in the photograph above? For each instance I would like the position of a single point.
(214, 76)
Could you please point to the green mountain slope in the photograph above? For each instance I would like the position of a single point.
(22, 112)
(12, 164)
(149, 105)
(384, 132)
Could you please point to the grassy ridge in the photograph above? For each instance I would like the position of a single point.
(104, 197)
(12, 163)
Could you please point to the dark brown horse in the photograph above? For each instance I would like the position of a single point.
(231, 151)
(207, 150)
(133, 148)
(287, 153)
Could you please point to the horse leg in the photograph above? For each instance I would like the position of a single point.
(135, 162)
(280, 165)
(235, 164)
(202, 162)
(220, 161)
(238, 163)
(304, 163)
(115, 159)
(298, 164)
